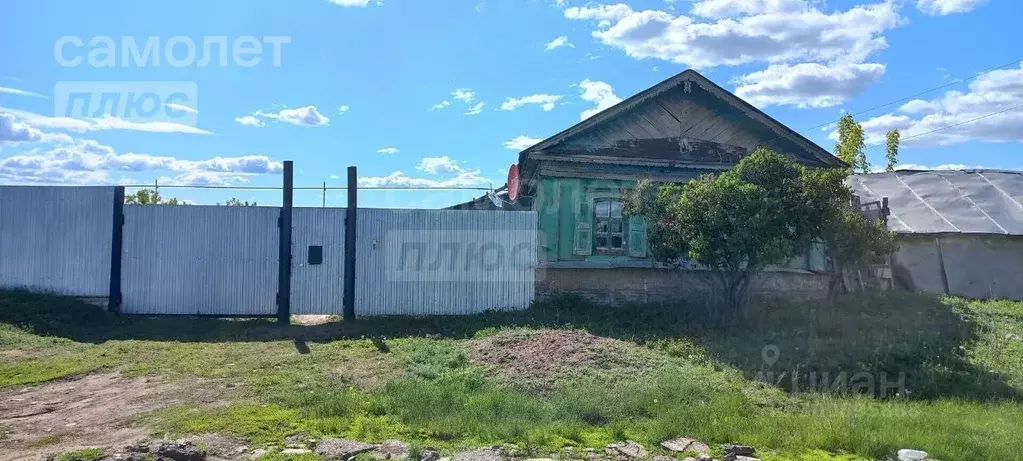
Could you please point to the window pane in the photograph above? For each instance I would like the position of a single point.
(616, 225)
(616, 208)
(602, 225)
(616, 241)
(601, 241)
(602, 208)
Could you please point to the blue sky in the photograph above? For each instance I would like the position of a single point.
(445, 93)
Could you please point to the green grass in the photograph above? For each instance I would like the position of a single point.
(88, 454)
(411, 378)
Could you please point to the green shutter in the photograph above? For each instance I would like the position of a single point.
(816, 258)
(637, 237)
(583, 244)
(583, 239)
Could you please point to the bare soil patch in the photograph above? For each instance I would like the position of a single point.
(539, 359)
(95, 410)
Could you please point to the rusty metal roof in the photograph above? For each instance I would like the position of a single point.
(947, 201)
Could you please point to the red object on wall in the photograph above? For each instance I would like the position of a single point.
(513, 182)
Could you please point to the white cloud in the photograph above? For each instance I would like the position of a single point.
(83, 161)
(599, 12)
(388, 150)
(18, 92)
(439, 165)
(249, 121)
(105, 123)
(945, 7)
(990, 111)
(521, 143)
(181, 108)
(302, 116)
(400, 179)
(475, 109)
(944, 167)
(798, 31)
(558, 43)
(12, 131)
(440, 105)
(807, 84)
(729, 8)
(601, 94)
(463, 94)
(342, 109)
(545, 101)
(355, 3)
(919, 106)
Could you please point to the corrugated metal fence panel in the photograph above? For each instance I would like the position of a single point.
(200, 260)
(56, 239)
(422, 262)
(317, 289)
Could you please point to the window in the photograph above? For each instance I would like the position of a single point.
(609, 229)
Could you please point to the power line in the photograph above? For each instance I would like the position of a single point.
(950, 126)
(914, 96)
(317, 188)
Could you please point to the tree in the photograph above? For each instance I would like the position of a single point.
(765, 211)
(850, 144)
(850, 240)
(235, 202)
(892, 146)
(149, 197)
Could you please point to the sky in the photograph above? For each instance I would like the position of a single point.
(444, 94)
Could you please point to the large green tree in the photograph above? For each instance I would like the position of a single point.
(765, 211)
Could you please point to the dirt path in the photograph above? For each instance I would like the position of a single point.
(90, 411)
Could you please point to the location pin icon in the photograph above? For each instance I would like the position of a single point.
(770, 354)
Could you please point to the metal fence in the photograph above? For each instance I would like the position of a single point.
(204, 260)
(444, 261)
(56, 239)
(220, 260)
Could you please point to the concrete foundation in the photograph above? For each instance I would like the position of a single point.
(972, 266)
(649, 285)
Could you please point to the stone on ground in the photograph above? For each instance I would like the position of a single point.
(181, 451)
(341, 449)
(738, 450)
(391, 449)
(685, 444)
(429, 454)
(481, 454)
(625, 451)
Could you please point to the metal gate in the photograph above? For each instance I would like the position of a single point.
(204, 260)
(317, 260)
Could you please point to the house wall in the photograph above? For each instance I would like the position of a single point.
(650, 285)
(563, 202)
(975, 266)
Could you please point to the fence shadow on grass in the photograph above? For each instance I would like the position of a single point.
(916, 341)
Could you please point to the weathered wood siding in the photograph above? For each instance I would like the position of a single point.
(682, 126)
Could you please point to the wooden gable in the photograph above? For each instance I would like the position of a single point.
(685, 121)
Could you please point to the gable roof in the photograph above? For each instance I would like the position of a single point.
(657, 135)
(943, 201)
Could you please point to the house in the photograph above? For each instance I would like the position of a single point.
(677, 130)
(959, 232)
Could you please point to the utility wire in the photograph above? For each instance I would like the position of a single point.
(909, 98)
(949, 126)
(318, 188)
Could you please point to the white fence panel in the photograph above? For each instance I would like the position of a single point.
(425, 262)
(56, 239)
(319, 288)
(206, 260)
